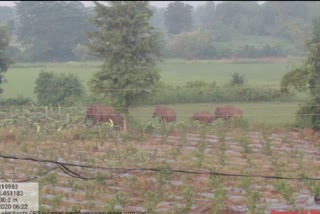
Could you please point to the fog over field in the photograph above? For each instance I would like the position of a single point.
(161, 106)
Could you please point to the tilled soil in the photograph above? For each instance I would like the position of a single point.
(137, 190)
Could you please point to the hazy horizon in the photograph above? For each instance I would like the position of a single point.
(153, 3)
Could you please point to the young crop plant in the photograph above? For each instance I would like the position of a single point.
(165, 130)
(122, 198)
(223, 148)
(266, 146)
(57, 200)
(244, 141)
(275, 160)
(312, 186)
(203, 131)
(183, 130)
(51, 178)
(286, 190)
(187, 198)
(253, 197)
(151, 200)
(162, 177)
(220, 194)
(199, 154)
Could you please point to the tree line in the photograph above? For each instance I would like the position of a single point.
(56, 31)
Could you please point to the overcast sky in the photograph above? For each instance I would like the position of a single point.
(153, 3)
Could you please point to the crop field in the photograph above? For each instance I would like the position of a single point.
(21, 77)
(228, 167)
(158, 168)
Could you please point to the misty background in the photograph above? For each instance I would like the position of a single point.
(56, 31)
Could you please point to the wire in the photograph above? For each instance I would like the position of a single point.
(157, 170)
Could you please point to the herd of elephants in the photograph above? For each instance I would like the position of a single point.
(102, 113)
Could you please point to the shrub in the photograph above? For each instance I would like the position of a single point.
(237, 79)
(308, 116)
(53, 89)
(19, 101)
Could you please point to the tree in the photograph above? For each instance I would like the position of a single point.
(178, 17)
(306, 77)
(191, 44)
(5, 61)
(205, 15)
(240, 16)
(53, 89)
(157, 20)
(130, 47)
(50, 30)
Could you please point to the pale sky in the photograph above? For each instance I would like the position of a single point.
(153, 3)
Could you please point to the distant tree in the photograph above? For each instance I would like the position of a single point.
(50, 30)
(204, 15)
(5, 61)
(307, 77)
(130, 47)
(191, 44)
(178, 17)
(241, 16)
(157, 20)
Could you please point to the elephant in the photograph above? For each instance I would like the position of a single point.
(164, 113)
(102, 113)
(227, 112)
(203, 117)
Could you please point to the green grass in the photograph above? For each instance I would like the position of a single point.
(268, 112)
(21, 77)
(268, 74)
(21, 80)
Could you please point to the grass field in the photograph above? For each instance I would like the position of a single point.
(21, 77)
(21, 81)
(268, 112)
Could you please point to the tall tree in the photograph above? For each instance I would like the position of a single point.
(5, 61)
(157, 20)
(240, 16)
(50, 30)
(307, 77)
(130, 47)
(204, 15)
(178, 17)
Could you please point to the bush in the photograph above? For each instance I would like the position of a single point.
(201, 91)
(308, 116)
(237, 79)
(62, 89)
(19, 101)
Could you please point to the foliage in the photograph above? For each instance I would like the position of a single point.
(237, 79)
(306, 77)
(198, 91)
(178, 17)
(220, 194)
(53, 89)
(204, 15)
(57, 27)
(5, 61)
(191, 45)
(130, 48)
(18, 101)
